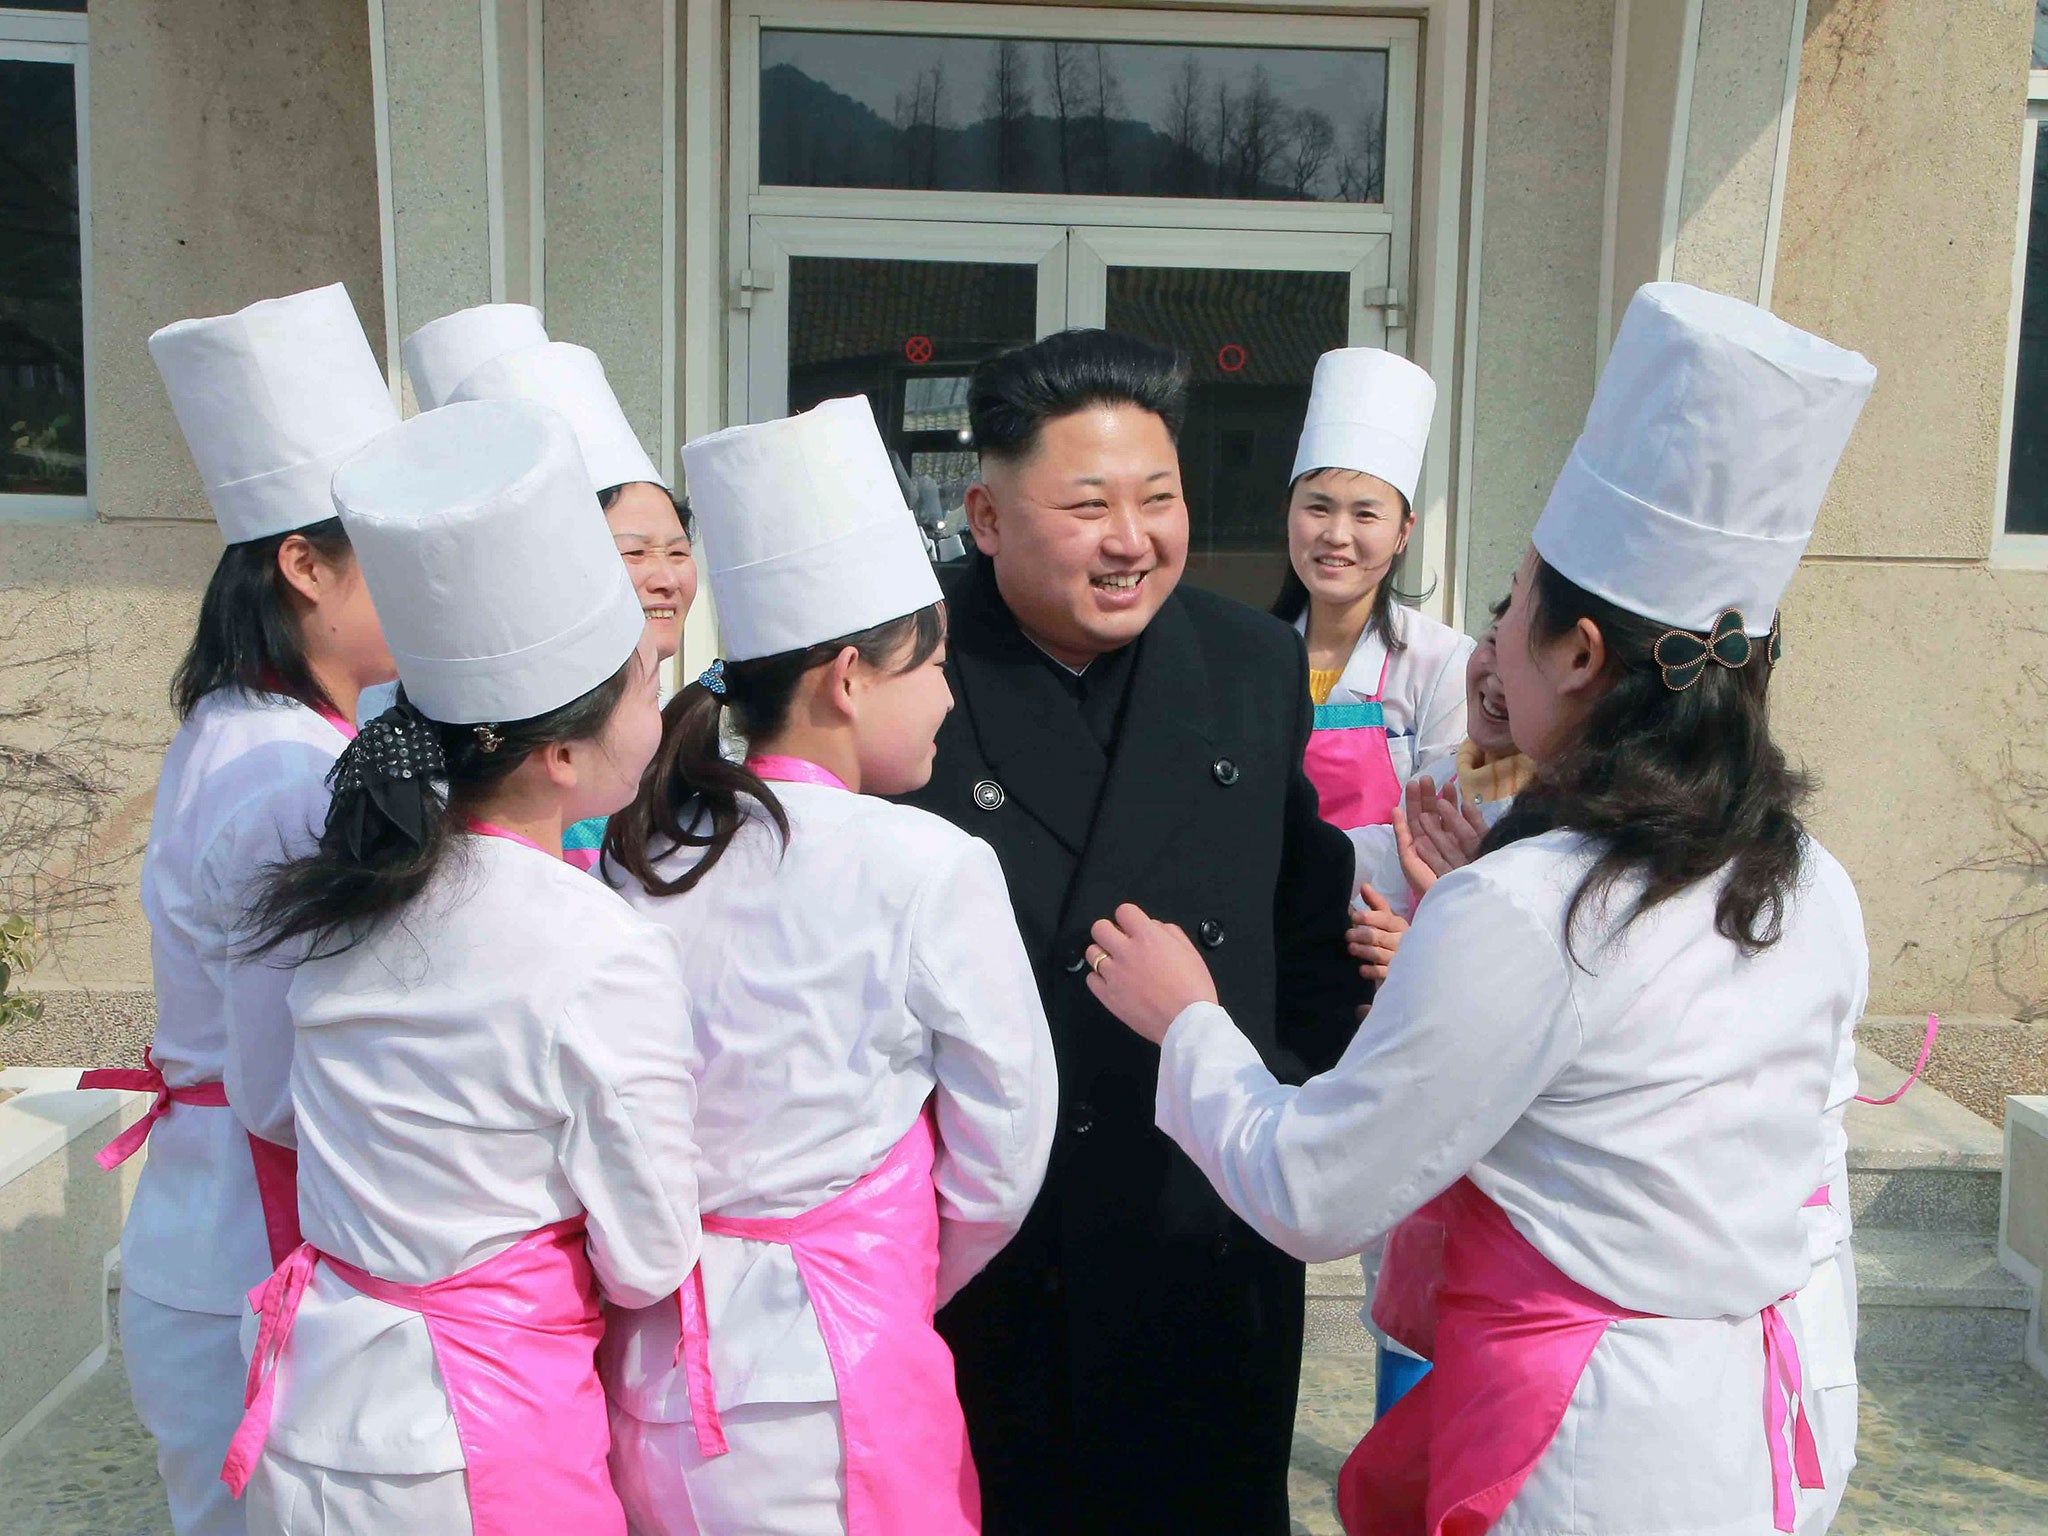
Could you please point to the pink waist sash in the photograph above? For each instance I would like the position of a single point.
(277, 1167)
(869, 1260)
(1510, 1335)
(515, 1338)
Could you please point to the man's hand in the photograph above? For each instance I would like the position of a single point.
(1146, 972)
(1375, 936)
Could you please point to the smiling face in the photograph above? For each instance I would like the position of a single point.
(1486, 701)
(1345, 529)
(1087, 530)
(651, 541)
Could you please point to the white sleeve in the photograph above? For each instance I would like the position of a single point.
(1474, 1019)
(257, 1070)
(997, 1097)
(626, 1060)
(1440, 716)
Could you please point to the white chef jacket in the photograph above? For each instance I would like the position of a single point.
(1376, 855)
(1424, 697)
(838, 985)
(1650, 1117)
(510, 1051)
(243, 786)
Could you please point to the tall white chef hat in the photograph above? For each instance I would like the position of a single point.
(570, 380)
(1710, 442)
(1368, 410)
(442, 353)
(806, 537)
(498, 604)
(270, 399)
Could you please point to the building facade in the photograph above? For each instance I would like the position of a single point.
(747, 205)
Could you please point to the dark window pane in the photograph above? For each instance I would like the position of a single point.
(906, 334)
(47, 5)
(2026, 500)
(42, 317)
(2041, 34)
(1251, 340)
(974, 114)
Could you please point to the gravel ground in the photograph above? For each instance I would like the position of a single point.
(1977, 1061)
(1943, 1453)
(82, 1029)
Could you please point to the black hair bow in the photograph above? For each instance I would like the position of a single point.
(383, 780)
(1683, 656)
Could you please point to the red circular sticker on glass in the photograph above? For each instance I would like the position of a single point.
(918, 349)
(1230, 357)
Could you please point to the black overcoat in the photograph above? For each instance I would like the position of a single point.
(1130, 1362)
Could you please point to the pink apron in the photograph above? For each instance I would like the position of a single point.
(869, 1258)
(1510, 1334)
(515, 1338)
(277, 1168)
(1348, 762)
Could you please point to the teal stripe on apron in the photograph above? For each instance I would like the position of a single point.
(1350, 717)
(585, 834)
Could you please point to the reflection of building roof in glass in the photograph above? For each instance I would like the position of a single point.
(1280, 322)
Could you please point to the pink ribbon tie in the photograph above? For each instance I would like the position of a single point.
(1782, 1397)
(1926, 1050)
(147, 1078)
(277, 1301)
(693, 1354)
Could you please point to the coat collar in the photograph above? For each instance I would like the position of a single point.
(1030, 734)
(1165, 758)
(1039, 750)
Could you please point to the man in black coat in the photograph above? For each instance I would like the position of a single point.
(1129, 1363)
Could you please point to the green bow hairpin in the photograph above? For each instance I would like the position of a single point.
(1683, 655)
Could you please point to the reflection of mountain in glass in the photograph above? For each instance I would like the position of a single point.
(1136, 120)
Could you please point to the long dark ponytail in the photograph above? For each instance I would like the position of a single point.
(387, 834)
(1674, 785)
(248, 636)
(691, 795)
(1292, 601)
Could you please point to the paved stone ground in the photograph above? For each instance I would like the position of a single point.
(1963, 1454)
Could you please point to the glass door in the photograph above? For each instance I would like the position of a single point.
(899, 311)
(1251, 312)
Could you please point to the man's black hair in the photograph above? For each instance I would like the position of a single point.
(1014, 394)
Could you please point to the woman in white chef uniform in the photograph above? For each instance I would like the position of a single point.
(501, 352)
(490, 1132)
(865, 1012)
(1387, 682)
(1601, 1061)
(270, 399)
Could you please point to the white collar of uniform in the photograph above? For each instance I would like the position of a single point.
(1362, 673)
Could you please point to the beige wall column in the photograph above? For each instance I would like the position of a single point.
(609, 276)
(1538, 294)
(458, 120)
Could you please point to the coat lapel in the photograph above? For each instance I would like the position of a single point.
(1031, 736)
(1165, 758)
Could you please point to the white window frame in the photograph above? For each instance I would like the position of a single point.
(59, 37)
(2019, 551)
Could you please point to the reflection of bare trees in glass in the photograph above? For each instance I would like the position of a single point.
(1007, 105)
(1105, 109)
(920, 114)
(1063, 90)
(1260, 125)
(1183, 171)
(1361, 178)
(1312, 140)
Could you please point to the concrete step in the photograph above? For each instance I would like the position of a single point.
(1926, 1297)
(1924, 1164)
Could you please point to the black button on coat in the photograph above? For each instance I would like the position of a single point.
(1130, 1362)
